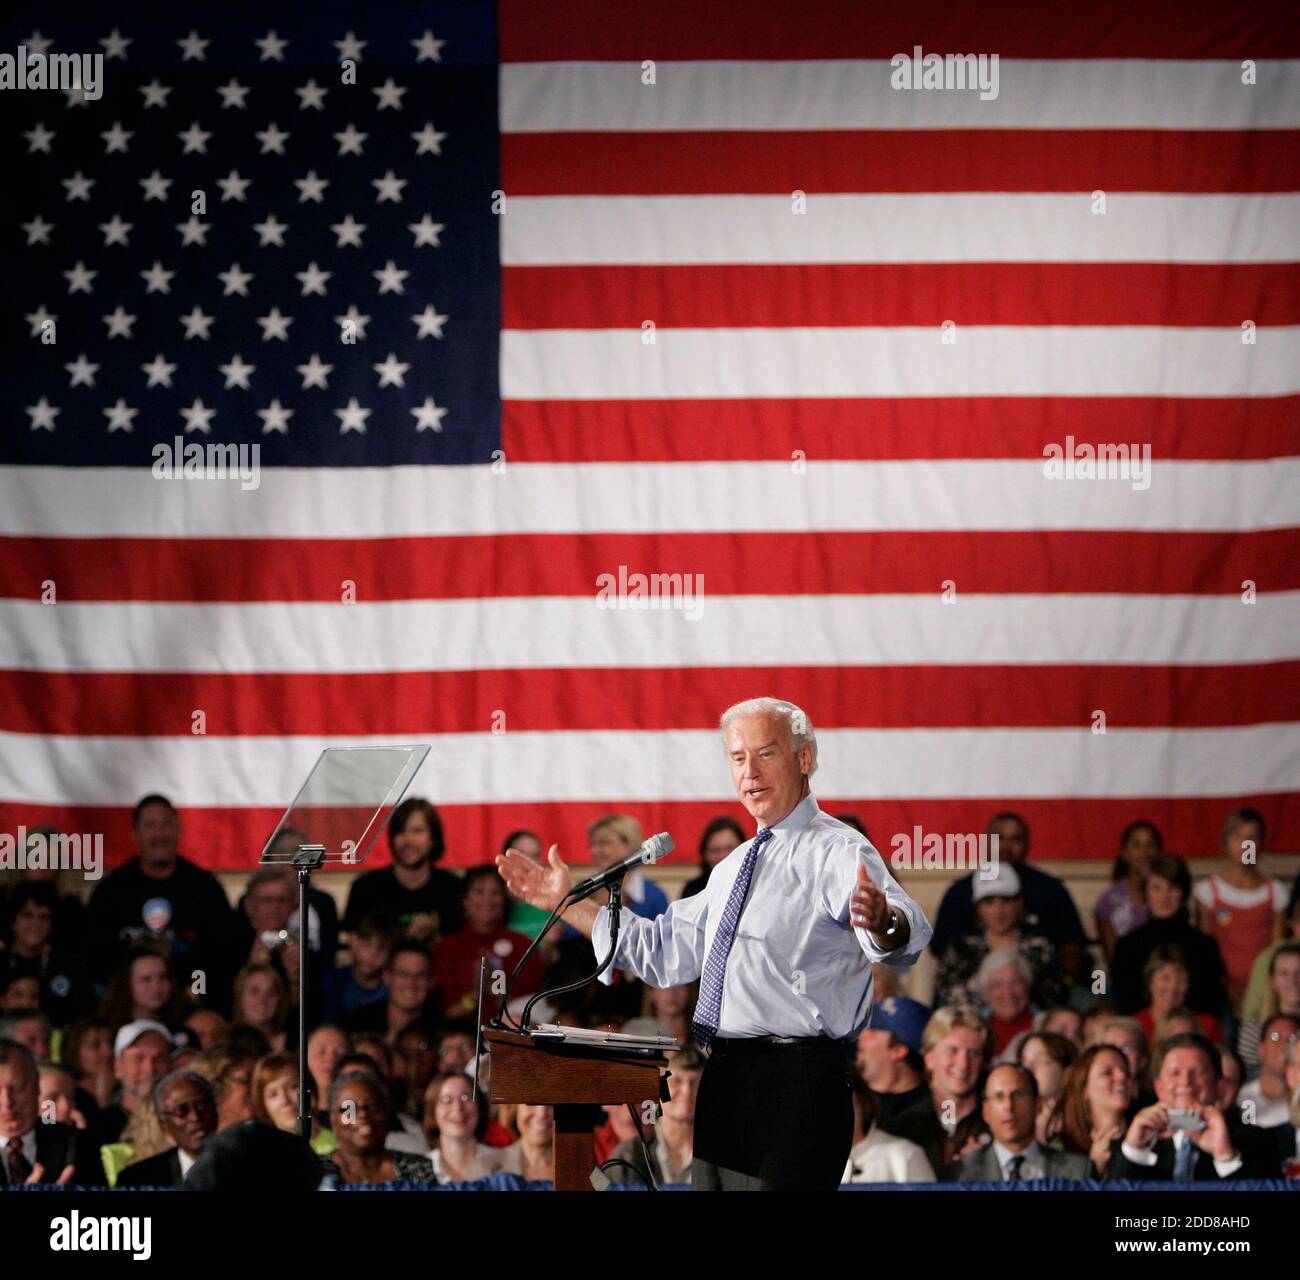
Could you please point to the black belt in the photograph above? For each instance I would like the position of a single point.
(755, 1044)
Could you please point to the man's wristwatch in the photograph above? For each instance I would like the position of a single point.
(895, 919)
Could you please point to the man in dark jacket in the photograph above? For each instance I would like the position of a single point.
(188, 1110)
(1184, 1136)
(30, 1151)
(161, 896)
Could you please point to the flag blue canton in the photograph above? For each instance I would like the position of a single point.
(209, 234)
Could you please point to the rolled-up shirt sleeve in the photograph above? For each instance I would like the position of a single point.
(839, 883)
(667, 951)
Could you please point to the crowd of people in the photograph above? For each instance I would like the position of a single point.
(139, 1025)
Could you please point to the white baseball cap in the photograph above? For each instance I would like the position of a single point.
(129, 1034)
(1003, 883)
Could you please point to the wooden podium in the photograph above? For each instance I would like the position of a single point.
(576, 1080)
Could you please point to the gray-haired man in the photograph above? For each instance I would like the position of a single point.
(782, 940)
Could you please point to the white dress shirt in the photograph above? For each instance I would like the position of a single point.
(1032, 1167)
(187, 1162)
(1224, 1168)
(797, 966)
(1269, 1112)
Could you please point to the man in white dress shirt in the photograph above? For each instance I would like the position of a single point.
(782, 939)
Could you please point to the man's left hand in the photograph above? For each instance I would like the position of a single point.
(868, 908)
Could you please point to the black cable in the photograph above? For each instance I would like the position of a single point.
(627, 1164)
(645, 1147)
(615, 918)
(503, 1019)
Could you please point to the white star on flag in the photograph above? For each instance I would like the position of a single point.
(42, 414)
(428, 417)
(352, 417)
(198, 417)
(315, 373)
(275, 418)
(159, 372)
(237, 372)
(428, 48)
(392, 372)
(119, 415)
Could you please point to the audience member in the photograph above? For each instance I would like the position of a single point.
(421, 899)
(1097, 1097)
(188, 1110)
(454, 1126)
(1010, 1110)
(1047, 1057)
(262, 1001)
(162, 897)
(359, 1112)
(30, 913)
(1167, 981)
(32, 1151)
(1266, 1100)
(673, 1139)
(1049, 909)
(411, 999)
(1123, 907)
(1283, 997)
(1242, 909)
(144, 988)
(353, 986)
(889, 1057)
(275, 1092)
(1169, 887)
(717, 840)
(532, 1157)
(141, 1057)
(877, 1156)
(228, 1068)
(1000, 927)
(484, 937)
(1185, 1136)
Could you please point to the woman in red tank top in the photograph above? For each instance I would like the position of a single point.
(1242, 909)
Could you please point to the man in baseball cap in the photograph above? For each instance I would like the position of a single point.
(889, 1054)
(141, 1057)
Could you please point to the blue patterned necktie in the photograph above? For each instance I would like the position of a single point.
(1185, 1160)
(708, 1008)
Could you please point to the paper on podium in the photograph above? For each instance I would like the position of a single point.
(345, 802)
(615, 1041)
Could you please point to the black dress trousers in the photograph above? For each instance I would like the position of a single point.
(773, 1116)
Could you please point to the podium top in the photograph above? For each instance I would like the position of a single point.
(345, 802)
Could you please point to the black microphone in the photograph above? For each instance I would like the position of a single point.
(654, 849)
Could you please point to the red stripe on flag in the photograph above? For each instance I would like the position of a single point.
(1011, 562)
(904, 294)
(377, 704)
(1177, 428)
(232, 839)
(737, 162)
(633, 30)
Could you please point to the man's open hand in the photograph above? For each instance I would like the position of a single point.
(539, 886)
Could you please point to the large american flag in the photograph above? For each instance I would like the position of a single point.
(667, 287)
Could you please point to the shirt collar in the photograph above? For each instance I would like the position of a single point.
(27, 1143)
(800, 816)
(1005, 1155)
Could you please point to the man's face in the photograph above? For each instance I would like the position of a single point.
(32, 923)
(210, 1027)
(683, 1086)
(1164, 898)
(370, 955)
(876, 1051)
(34, 1035)
(18, 1099)
(270, 905)
(413, 844)
(956, 1061)
(408, 980)
(141, 1065)
(188, 1115)
(157, 833)
(1013, 840)
(1009, 1108)
(768, 773)
(1007, 993)
(1276, 1043)
(23, 995)
(1186, 1078)
(325, 1047)
(1132, 1044)
(455, 1052)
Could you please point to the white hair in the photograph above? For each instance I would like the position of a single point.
(997, 960)
(796, 719)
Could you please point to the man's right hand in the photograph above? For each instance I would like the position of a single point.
(540, 886)
(1148, 1125)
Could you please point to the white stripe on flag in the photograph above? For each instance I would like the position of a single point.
(574, 632)
(966, 227)
(615, 497)
(988, 360)
(1128, 93)
(669, 765)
